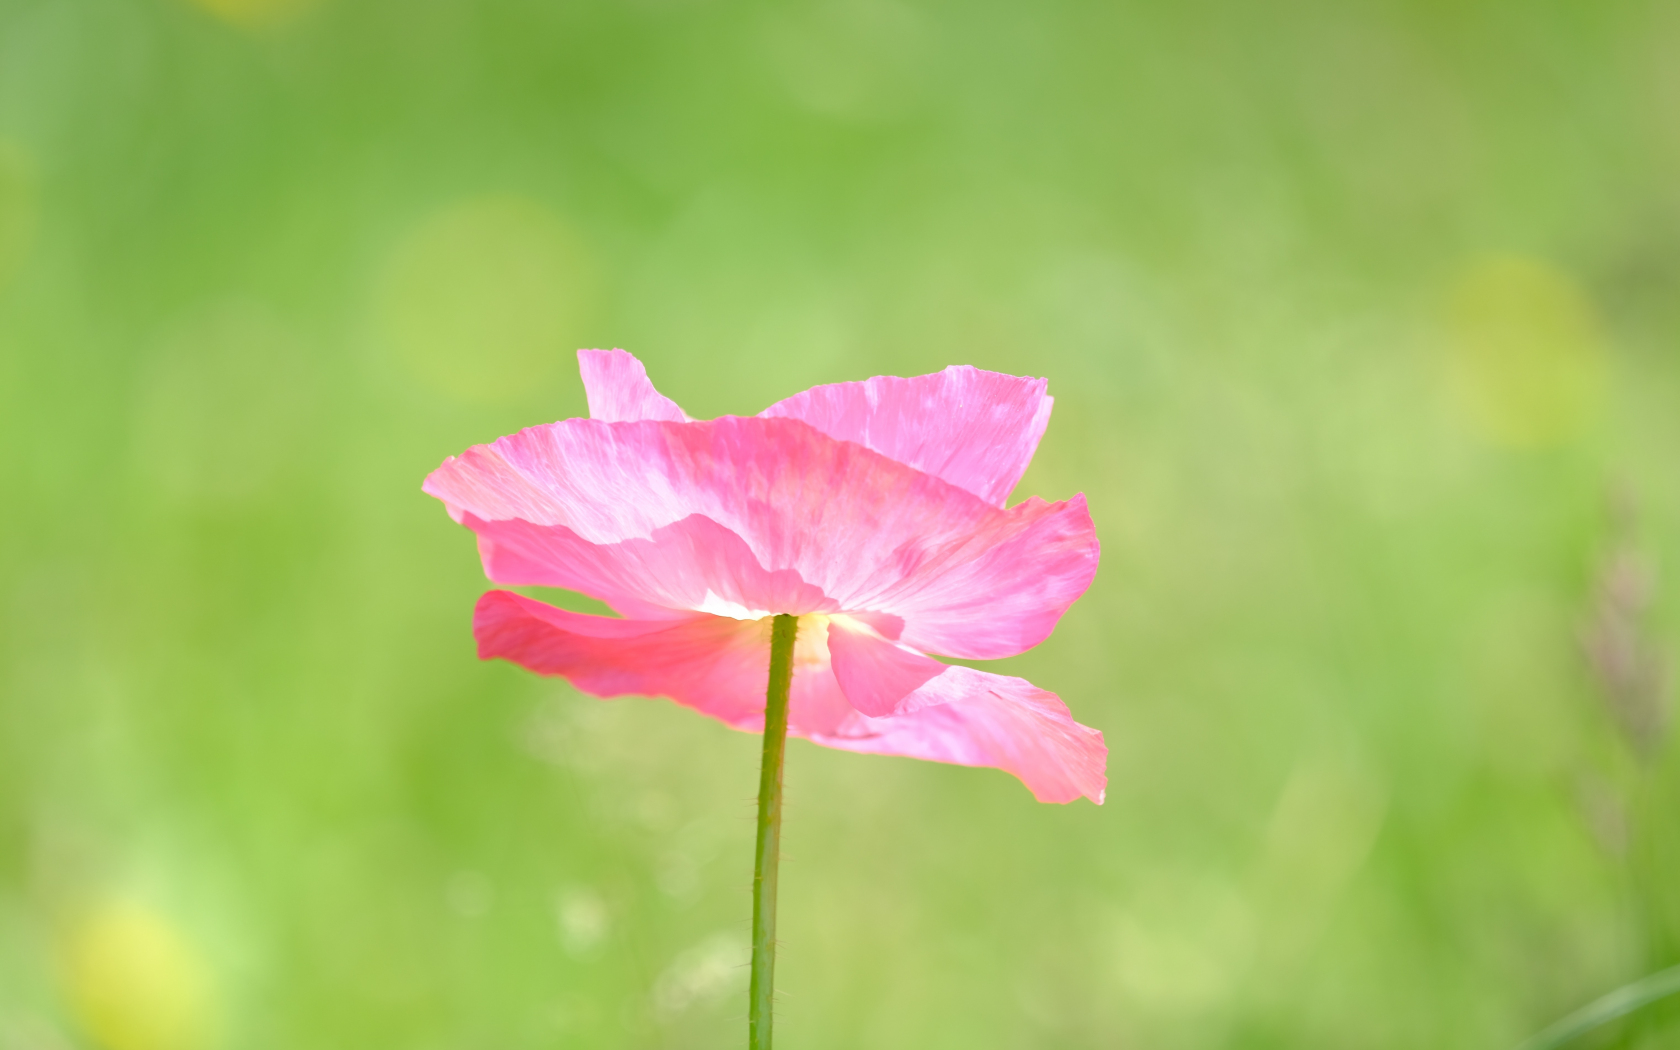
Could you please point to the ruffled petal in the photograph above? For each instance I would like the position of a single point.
(881, 539)
(1005, 591)
(690, 565)
(716, 665)
(816, 706)
(975, 429)
(620, 391)
(875, 674)
(720, 667)
(979, 719)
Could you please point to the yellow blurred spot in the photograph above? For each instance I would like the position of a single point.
(17, 208)
(256, 14)
(134, 981)
(487, 300)
(1527, 363)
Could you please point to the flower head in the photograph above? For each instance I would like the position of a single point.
(874, 511)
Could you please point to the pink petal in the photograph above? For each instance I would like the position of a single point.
(980, 719)
(720, 667)
(619, 390)
(692, 564)
(975, 429)
(1006, 590)
(873, 673)
(816, 705)
(714, 664)
(881, 539)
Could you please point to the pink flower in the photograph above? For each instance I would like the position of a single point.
(874, 511)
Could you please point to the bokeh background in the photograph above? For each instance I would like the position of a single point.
(1363, 321)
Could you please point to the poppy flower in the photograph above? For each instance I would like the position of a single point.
(874, 511)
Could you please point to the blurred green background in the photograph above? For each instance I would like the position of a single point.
(1363, 321)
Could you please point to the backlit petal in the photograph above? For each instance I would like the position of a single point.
(1004, 592)
(620, 391)
(975, 429)
(879, 538)
(873, 673)
(982, 719)
(720, 667)
(692, 564)
(716, 665)
(816, 706)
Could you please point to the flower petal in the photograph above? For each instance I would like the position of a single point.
(720, 667)
(876, 536)
(714, 664)
(975, 429)
(692, 564)
(1004, 593)
(816, 705)
(873, 673)
(620, 391)
(981, 719)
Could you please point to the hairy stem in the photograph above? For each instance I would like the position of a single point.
(782, 631)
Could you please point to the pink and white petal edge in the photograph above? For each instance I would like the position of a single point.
(691, 565)
(620, 391)
(981, 719)
(972, 428)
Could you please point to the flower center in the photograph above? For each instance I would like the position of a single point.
(718, 605)
(810, 645)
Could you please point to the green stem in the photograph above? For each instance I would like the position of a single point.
(1618, 1003)
(782, 631)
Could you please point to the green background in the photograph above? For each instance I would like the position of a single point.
(1362, 320)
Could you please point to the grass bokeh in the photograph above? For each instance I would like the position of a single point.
(1363, 322)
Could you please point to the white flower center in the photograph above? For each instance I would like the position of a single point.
(718, 605)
